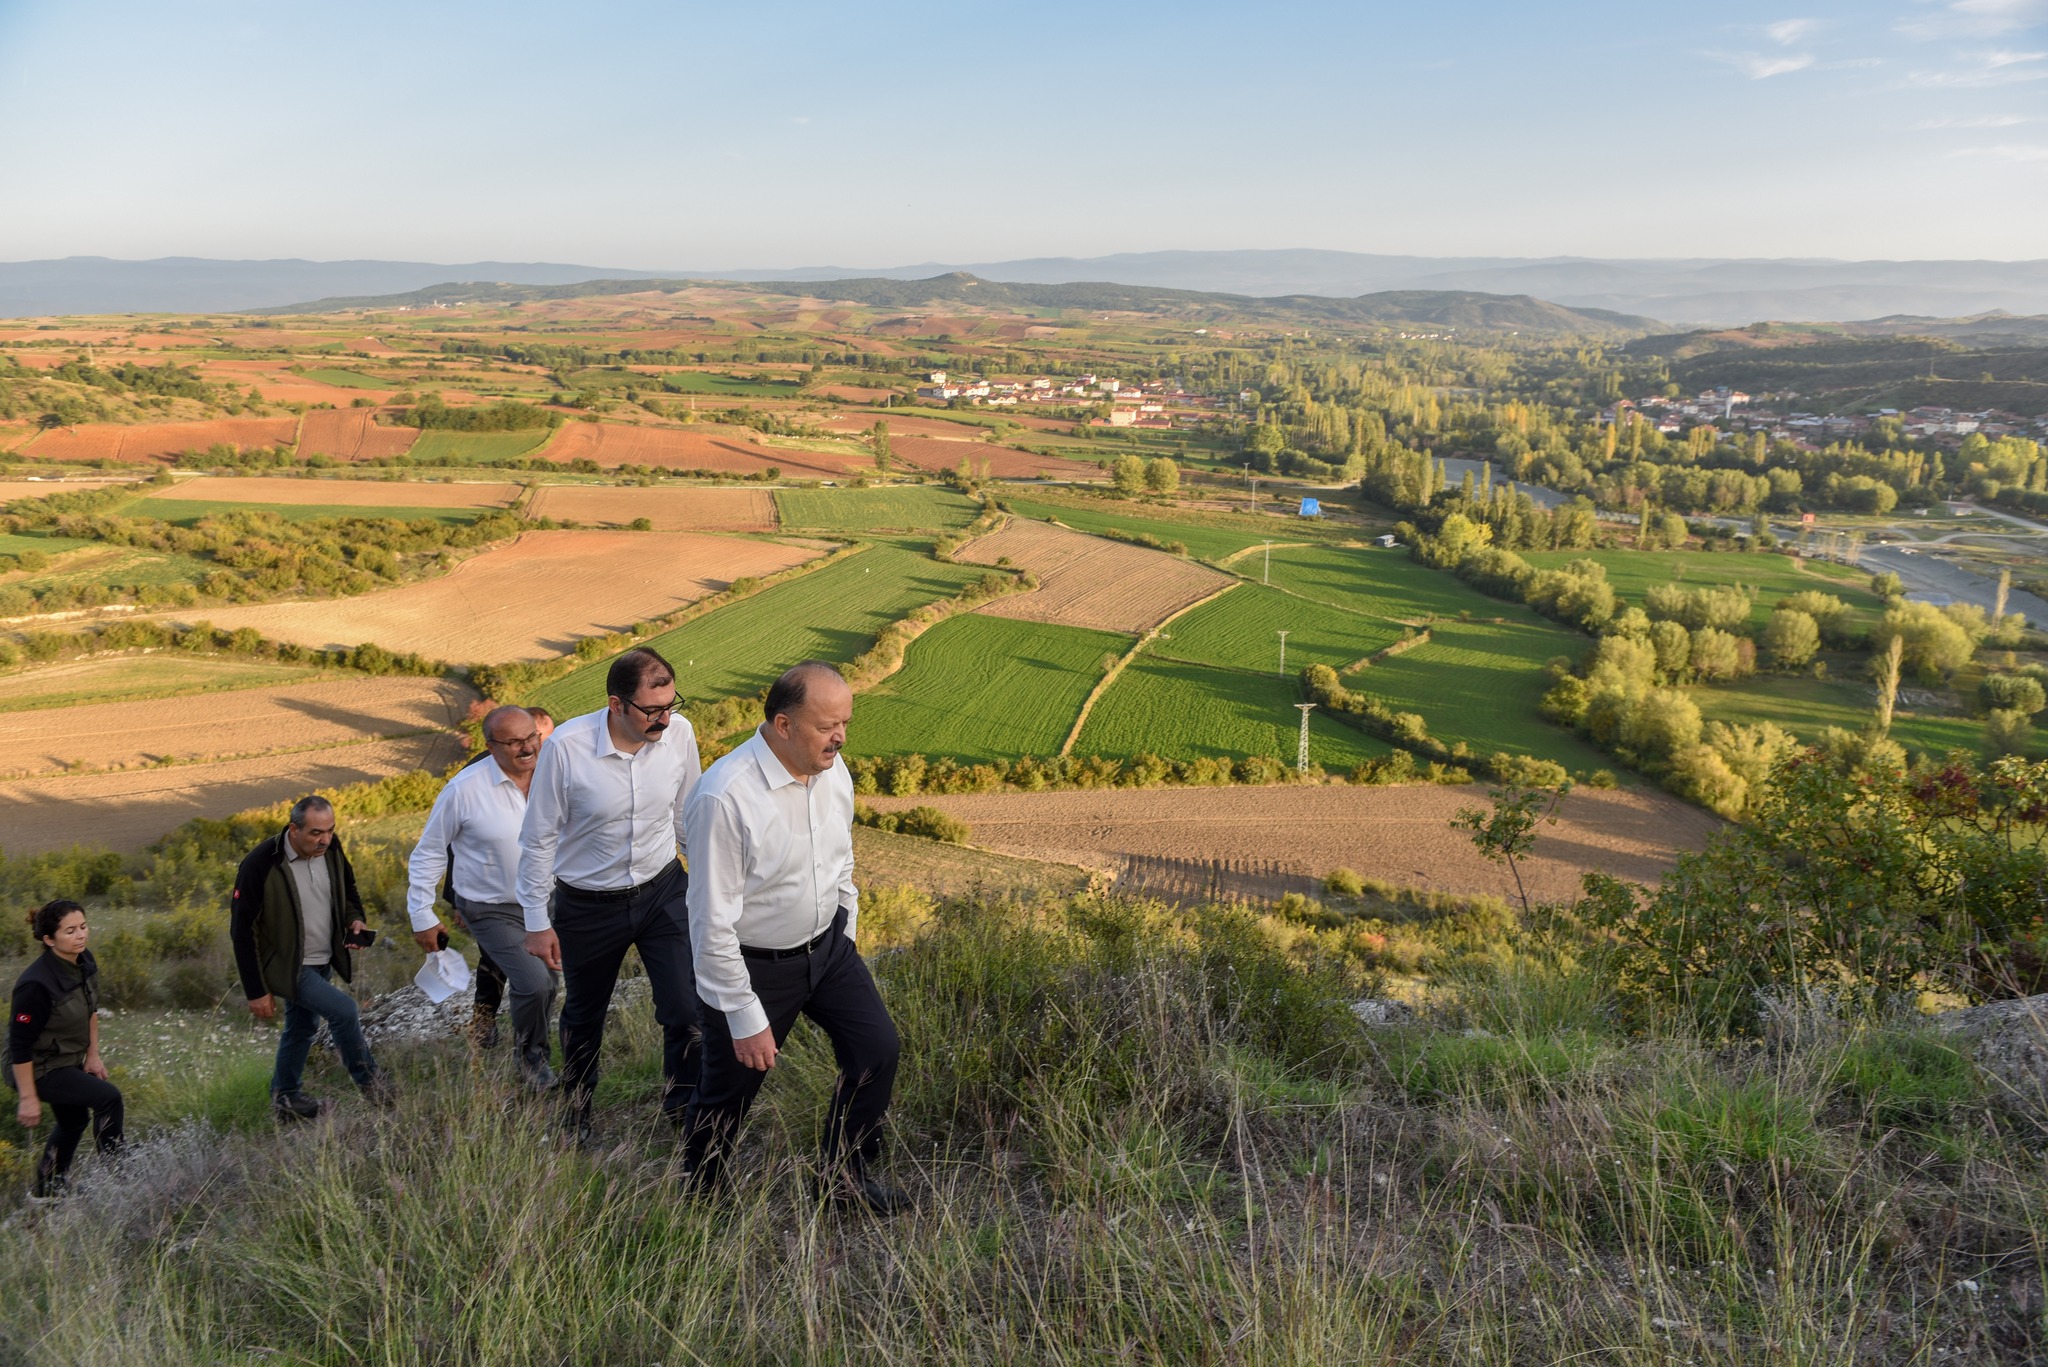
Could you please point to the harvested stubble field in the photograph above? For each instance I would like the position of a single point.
(12, 489)
(670, 509)
(159, 440)
(305, 714)
(128, 810)
(1086, 581)
(347, 493)
(689, 448)
(352, 434)
(1400, 835)
(529, 599)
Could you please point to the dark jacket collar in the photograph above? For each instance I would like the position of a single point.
(50, 972)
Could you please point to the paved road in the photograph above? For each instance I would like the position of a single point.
(1926, 575)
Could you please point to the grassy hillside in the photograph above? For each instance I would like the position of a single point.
(1181, 710)
(1241, 630)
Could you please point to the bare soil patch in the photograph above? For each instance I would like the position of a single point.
(1399, 835)
(294, 716)
(529, 599)
(684, 448)
(159, 440)
(1088, 581)
(126, 811)
(357, 493)
(11, 489)
(670, 510)
(352, 434)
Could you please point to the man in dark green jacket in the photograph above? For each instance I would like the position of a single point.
(294, 911)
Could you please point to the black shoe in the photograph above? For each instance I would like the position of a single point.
(294, 1105)
(577, 1133)
(854, 1191)
(380, 1091)
(536, 1073)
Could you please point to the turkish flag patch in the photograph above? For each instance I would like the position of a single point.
(23, 1019)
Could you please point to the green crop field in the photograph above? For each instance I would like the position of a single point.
(1188, 711)
(128, 678)
(699, 382)
(1775, 576)
(1804, 705)
(21, 543)
(1204, 542)
(1480, 682)
(436, 447)
(976, 687)
(115, 567)
(350, 379)
(900, 507)
(186, 511)
(1241, 630)
(830, 614)
(1385, 583)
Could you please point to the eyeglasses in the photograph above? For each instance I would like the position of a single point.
(651, 712)
(515, 742)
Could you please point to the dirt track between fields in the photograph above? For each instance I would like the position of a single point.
(1399, 835)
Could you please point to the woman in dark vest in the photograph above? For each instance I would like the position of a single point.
(53, 1045)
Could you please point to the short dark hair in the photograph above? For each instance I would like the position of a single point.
(311, 802)
(630, 672)
(793, 689)
(44, 920)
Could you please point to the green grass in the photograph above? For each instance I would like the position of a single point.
(1241, 630)
(350, 379)
(898, 508)
(1804, 706)
(1480, 682)
(20, 543)
(1383, 582)
(830, 614)
(1204, 542)
(185, 512)
(1775, 576)
(688, 382)
(130, 677)
(977, 687)
(1180, 710)
(125, 566)
(436, 447)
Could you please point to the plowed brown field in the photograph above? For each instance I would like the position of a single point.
(294, 716)
(1087, 581)
(350, 493)
(529, 600)
(126, 811)
(682, 448)
(670, 510)
(159, 440)
(1399, 835)
(351, 434)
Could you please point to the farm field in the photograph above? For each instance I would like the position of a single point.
(939, 455)
(124, 566)
(980, 687)
(158, 674)
(13, 489)
(698, 447)
(528, 599)
(1804, 706)
(670, 509)
(1775, 576)
(832, 613)
(899, 508)
(1087, 581)
(1400, 835)
(158, 440)
(437, 447)
(1203, 542)
(189, 511)
(1480, 683)
(1385, 583)
(303, 715)
(352, 434)
(350, 379)
(127, 810)
(882, 859)
(350, 493)
(1178, 710)
(1241, 630)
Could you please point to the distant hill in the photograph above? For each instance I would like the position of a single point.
(1442, 310)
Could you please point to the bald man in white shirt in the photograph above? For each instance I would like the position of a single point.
(773, 912)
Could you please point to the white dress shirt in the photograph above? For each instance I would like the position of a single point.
(316, 903)
(771, 861)
(599, 818)
(478, 814)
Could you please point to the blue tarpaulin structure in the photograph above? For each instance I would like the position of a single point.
(1311, 508)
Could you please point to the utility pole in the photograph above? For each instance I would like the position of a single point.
(1266, 577)
(1283, 654)
(1301, 752)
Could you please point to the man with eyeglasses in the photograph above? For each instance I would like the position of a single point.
(598, 872)
(472, 835)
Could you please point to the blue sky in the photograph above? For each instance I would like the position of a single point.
(683, 136)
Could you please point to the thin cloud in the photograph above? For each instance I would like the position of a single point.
(1760, 66)
(1994, 60)
(1789, 31)
(1976, 19)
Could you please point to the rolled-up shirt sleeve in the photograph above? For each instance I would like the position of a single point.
(718, 882)
(430, 861)
(540, 832)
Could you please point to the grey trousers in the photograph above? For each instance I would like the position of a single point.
(500, 927)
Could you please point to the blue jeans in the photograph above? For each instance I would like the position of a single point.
(318, 999)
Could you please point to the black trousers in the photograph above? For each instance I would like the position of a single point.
(75, 1098)
(833, 987)
(490, 981)
(595, 931)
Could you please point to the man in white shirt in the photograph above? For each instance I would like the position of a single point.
(475, 826)
(598, 872)
(772, 916)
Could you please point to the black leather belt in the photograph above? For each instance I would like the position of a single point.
(796, 951)
(612, 894)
